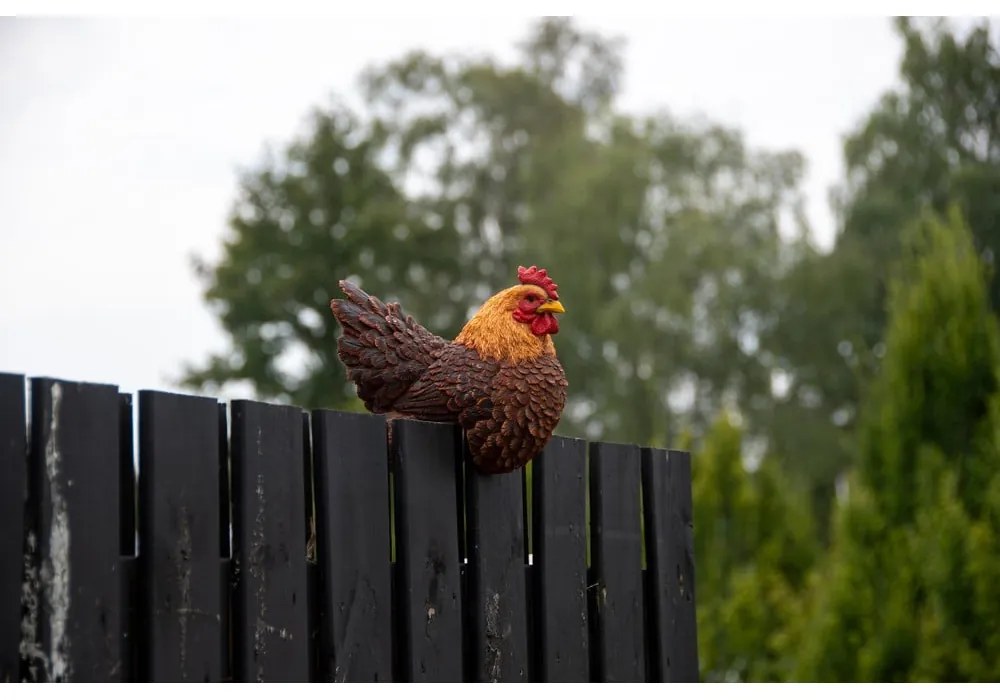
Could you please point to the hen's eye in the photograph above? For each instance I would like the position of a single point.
(532, 298)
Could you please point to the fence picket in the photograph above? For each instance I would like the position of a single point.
(179, 515)
(352, 520)
(270, 602)
(497, 609)
(560, 561)
(73, 498)
(424, 457)
(666, 486)
(616, 550)
(13, 490)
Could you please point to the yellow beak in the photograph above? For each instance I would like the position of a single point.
(551, 307)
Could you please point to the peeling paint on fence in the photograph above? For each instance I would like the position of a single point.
(29, 648)
(182, 562)
(494, 637)
(55, 568)
(258, 575)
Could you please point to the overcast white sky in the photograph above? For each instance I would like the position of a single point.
(121, 142)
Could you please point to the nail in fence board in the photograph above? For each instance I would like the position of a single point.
(351, 475)
(269, 605)
(497, 612)
(427, 587)
(73, 487)
(13, 490)
(179, 542)
(616, 550)
(560, 561)
(666, 486)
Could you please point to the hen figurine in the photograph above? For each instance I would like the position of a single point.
(499, 379)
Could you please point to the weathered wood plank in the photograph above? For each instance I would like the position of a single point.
(179, 540)
(617, 629)
(13, 493)
(666, 486)
(559, 478)
(74, 496)
(270, 602)
(351, 471)
(424, 458)
(497, 609)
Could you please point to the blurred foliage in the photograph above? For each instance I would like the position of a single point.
(755, 545)
(933, 141)
(842, 407)
(911, 589)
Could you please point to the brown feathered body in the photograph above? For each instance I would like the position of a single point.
(499, 379)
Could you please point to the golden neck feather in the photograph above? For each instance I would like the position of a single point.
(494, 333)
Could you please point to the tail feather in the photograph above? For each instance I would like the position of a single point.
(384, 350)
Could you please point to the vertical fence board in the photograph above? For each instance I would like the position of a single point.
(617, 559)
(560, 561)
(429, 605)
(73, 485)
(179, 543)
(269, 539)
(497, 608)
(352, 518)
(666, 485)
(13, 492)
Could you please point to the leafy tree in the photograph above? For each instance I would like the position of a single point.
(933, 140)
(911, 588)
(326, 210)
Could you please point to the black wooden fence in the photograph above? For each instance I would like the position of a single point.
(267, 543)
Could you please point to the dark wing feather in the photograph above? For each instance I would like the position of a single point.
(508, 410)
(385, 350)
(456, 387)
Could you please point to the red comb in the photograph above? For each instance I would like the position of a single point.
(532, 275)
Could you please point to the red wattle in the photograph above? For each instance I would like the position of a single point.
(545, 324)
